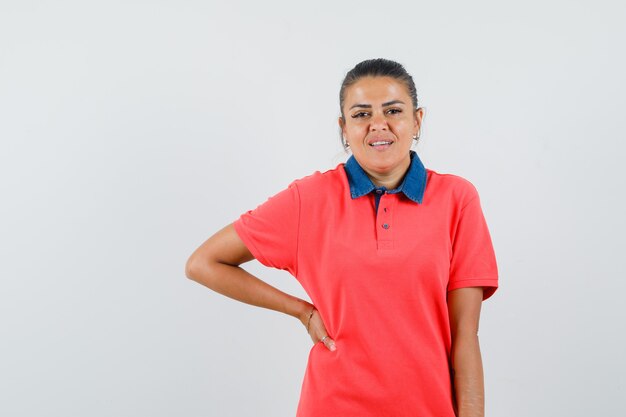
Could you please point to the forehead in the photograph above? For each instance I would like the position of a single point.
(371, 90)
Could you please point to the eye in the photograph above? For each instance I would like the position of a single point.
(394, 111)
(359, 114)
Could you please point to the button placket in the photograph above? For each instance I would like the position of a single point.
(384, 229)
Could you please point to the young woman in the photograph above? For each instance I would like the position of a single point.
(396, 259)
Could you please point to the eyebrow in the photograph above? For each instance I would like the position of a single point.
(369, 106)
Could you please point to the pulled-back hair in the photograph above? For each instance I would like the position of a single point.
(378, 67)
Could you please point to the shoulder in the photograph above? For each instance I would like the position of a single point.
(455, 187)
(320, 180)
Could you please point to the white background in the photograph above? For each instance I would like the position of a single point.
(132, 130)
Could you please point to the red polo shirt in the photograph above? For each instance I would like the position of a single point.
(379, 279)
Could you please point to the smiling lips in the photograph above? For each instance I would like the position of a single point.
(380, 144)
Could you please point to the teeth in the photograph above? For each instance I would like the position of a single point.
(380, 143)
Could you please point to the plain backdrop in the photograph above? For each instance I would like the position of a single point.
(133, 130)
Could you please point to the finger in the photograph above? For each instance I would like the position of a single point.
(329, 343)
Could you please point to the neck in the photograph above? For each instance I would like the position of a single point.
(391, 179)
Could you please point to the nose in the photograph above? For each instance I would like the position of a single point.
(378, 122)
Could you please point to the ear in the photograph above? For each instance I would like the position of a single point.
(340, 121)
(419, 115)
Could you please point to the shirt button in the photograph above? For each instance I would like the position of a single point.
(379, 191)
(385, 226)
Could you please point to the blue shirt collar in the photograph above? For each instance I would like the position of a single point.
(413, 185)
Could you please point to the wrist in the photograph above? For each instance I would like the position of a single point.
(305, 317)
(301, 309)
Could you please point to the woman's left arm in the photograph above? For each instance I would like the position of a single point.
(464, 311)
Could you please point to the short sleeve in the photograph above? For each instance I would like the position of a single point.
(270, 231)
(473, 262)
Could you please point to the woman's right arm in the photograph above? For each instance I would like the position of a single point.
(215, 264)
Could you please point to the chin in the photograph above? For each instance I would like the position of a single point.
(386, 162)
(382, 167)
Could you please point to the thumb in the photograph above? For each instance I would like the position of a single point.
(329, 343)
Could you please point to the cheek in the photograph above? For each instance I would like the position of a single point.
(403, 126)
(355, 129)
